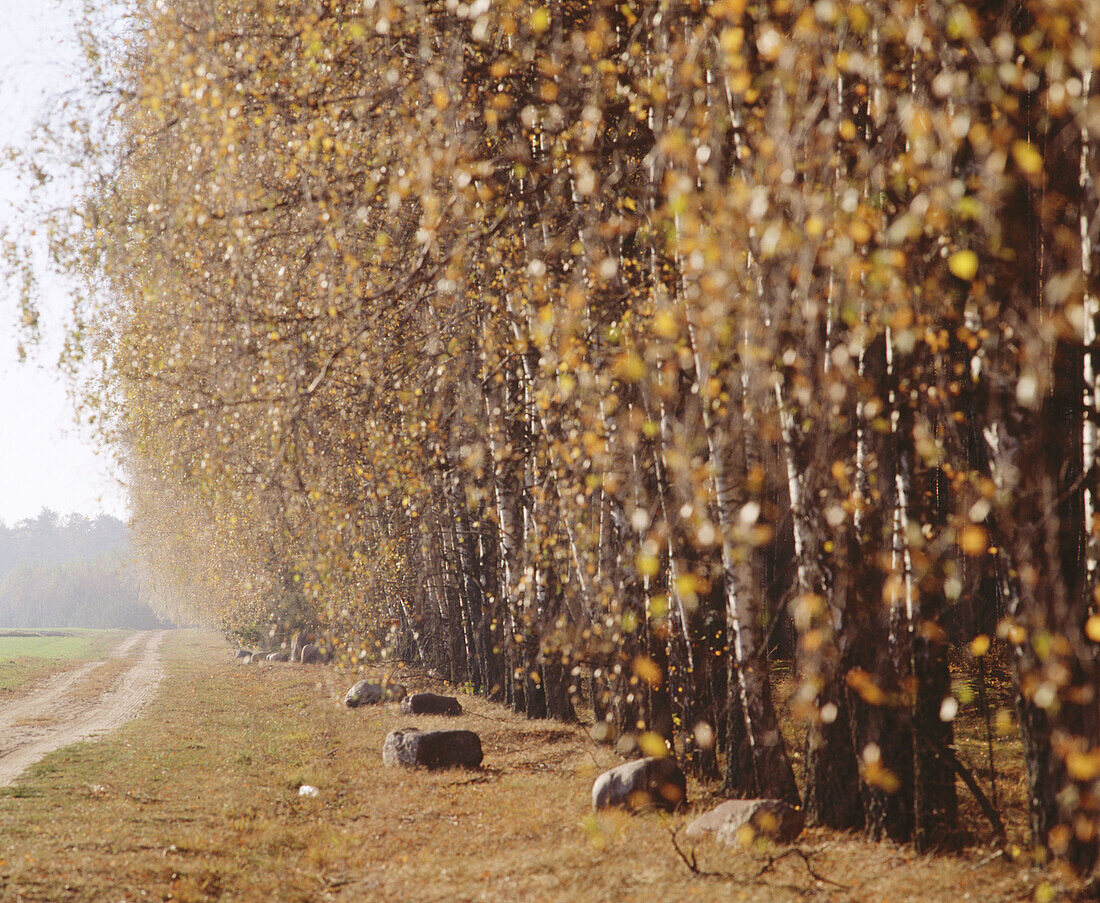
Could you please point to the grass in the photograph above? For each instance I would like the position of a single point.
(27, 656)
(198, 800)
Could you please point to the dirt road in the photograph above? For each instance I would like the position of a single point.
(70, 707)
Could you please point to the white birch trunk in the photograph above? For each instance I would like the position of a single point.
(1090, 431)
(901, 559)
(507, 531)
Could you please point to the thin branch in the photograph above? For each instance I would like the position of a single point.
(690, 860)
(805, 857)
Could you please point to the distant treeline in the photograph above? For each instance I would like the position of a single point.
(70, 572)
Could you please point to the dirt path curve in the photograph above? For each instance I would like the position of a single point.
(63, 719)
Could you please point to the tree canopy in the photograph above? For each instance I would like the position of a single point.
(605, 351)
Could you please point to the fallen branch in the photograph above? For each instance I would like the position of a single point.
(805, 857)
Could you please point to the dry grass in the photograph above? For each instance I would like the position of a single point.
(198, 800)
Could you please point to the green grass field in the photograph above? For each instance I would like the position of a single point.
(30, 655)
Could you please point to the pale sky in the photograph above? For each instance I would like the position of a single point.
(45, 459)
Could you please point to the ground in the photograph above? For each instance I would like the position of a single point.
(78, 703)
(198, 799)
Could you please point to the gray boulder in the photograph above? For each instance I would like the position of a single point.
(280, 656)
(642, 784)
(366, 692)
(430, 704)
(738, 822)
(410, 748)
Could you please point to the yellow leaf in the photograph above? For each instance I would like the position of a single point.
(732, 10)
(1027, 157)
(1092, 628)
(540, 20)
(864, 684)
(860, 232)
(629, 367)
(877, 775)
(665, 325)
(687, 584)
(647, 565)
(1083, 766)
(658, 606)
(1045, 892)
(732, 39)
(973, 540)
(648, 670)
(963, 264)
(979, 646)
(960, 23)
(652, 744)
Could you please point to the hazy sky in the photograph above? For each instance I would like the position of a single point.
(45, 459)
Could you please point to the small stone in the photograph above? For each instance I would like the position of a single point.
(430, 704)
(258, 657)
(243, 654)
(311, 654)
(281, 656)
(739, 822)
(410, 748)
(645, 783)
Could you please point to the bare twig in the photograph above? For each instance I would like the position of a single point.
(988, 859)
(805, 857)
(689, 858)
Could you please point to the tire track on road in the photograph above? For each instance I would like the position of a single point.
(25, 745)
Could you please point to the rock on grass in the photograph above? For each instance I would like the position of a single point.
(643, 784)
(430, 704)
(738, 822)
(410, 748)
(366, 692)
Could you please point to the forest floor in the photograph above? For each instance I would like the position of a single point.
(198, 799)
